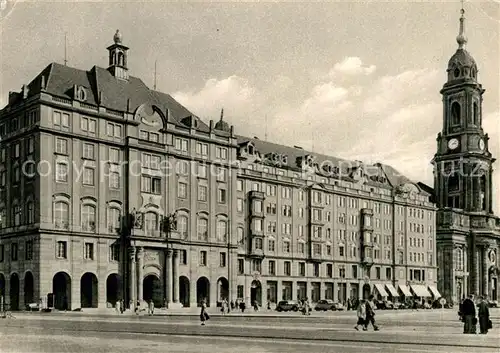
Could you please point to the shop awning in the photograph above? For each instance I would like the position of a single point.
(392, 290)
(434, 292)
(381, 290)
(404, 289)
(420, 290)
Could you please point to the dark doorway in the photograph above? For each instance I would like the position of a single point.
(184, 291)
(222, 290)
(14, 292)
(151, 289)
(203, 291)
(366, 291)
(61, 287)
(256, 293)
(2, 285)
(29, 286)
(88, 290)
(113, 289)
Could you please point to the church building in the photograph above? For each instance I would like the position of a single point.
(468, 233)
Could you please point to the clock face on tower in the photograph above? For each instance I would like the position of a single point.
(453, 144)
(481, 144)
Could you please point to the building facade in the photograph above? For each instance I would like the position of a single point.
(110, 190)
(468, 233)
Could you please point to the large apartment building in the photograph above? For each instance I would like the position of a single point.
(110, 190)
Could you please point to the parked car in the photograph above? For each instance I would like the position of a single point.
(384, 304)
(287, 305)
(325, 304)
(338, 306)
(398, 306)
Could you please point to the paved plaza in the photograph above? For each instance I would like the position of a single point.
(180, 331)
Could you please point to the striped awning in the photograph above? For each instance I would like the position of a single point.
(404, 289)
(434, 292)
(381, 290)
(392, 290)
(420, 290)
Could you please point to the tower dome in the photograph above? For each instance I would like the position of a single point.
(221, 124)
(462, 65)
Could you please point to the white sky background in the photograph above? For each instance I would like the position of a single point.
(356, 80)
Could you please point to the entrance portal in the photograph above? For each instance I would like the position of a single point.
(184, 291)
(61, 287)
(113, 289)
(222, 290)
(151, 289)
(14, 292)
(256, 293)
(88, 290)
(29, 284)
(203, 291)
(2, 285)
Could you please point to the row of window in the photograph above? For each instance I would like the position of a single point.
(301, 270)
(151, 224)
(88, 150)
(15, 149)
(14, 124)
(14, 251)
(61, 120)
(19, 215)
(201, 149)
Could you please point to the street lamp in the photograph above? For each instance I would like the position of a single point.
(169, 223)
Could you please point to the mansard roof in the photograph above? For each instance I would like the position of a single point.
(106, 90)
(394, 177)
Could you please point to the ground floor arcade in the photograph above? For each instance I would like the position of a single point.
(262, 290)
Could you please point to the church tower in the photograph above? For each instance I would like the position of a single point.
(463, 183)
(118, 57)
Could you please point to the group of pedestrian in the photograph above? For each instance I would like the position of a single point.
(366, 314)
(467, 314)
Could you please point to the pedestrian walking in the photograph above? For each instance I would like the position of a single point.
(223, 306)
(370, 314)
(306, 310)
(203, 314)
(468, 311)
(151, 307)
(483, 313)
(118, 306)
(361, 313)
(122, 306)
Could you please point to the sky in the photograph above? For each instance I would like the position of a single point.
(351, 79)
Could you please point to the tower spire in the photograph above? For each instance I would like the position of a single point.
(222, 114)
(462, 38)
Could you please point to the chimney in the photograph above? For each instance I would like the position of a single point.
(25, 91)
(211, 125)
(42, 83)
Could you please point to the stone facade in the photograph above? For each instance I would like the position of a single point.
(135, 198)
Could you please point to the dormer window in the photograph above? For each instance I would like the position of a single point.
(81, 93)
(284, 159)
(250, 149)
(456, 72)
